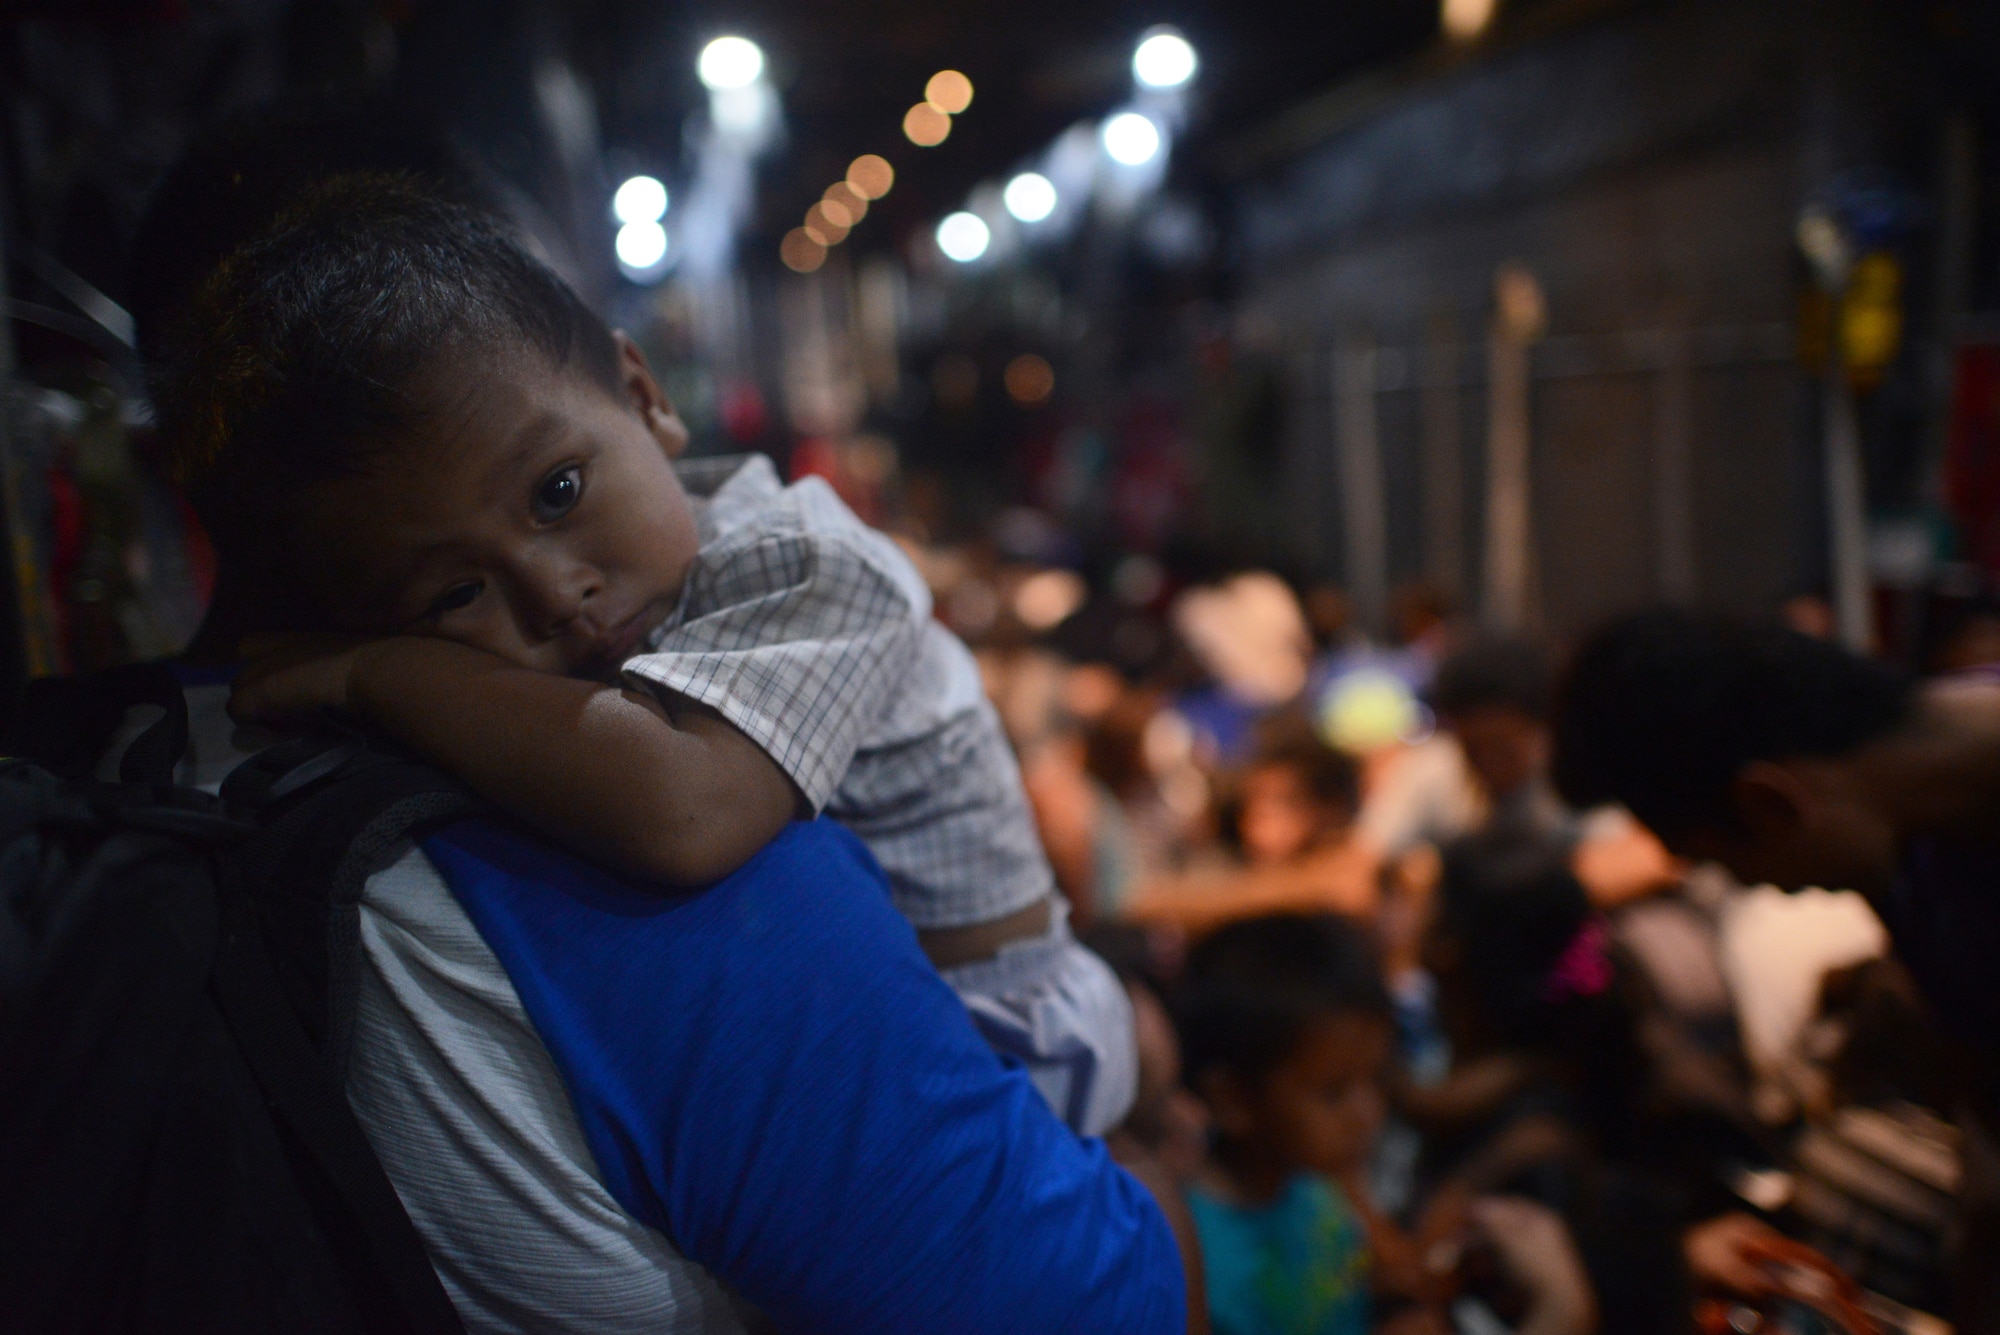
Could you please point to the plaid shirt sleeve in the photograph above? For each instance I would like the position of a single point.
(798, 634)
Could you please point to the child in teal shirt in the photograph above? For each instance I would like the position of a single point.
(1286, 1029)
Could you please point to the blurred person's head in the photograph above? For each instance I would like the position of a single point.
(1492, 696)
(1296, 793)
(1507, 909)
(410, 425)
(1524, 964)
(1729, 739)
(1285, 1029)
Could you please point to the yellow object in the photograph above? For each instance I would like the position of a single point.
(1367, 710)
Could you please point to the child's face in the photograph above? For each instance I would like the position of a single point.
(1280, 817)
(538, 518)
(1322, 1109)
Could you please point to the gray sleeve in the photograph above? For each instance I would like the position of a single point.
(469, 1116)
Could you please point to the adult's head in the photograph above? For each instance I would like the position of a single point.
(1493, 695)
(1730, 740)
(415, 426)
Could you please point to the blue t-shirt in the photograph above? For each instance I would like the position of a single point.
(1298, 1266)
(771, 1074)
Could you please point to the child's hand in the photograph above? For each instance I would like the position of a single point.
(289, 677)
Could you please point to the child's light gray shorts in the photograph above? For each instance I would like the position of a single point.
(1062, 1012)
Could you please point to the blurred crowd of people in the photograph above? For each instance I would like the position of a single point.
(1424, 1045)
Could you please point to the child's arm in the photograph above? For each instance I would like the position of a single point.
(679, 796)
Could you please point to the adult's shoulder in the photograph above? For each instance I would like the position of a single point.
(770, 1073)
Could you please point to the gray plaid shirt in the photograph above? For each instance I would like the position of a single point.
(812, 633)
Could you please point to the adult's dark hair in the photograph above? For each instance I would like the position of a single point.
(1492, 674)
(1250, 990)
(1662, 710)
(1539, 964)
(234, 178)
(1514, 908)
(305, 352)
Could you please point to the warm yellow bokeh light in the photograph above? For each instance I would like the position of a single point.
(834, 212)
(1029, 379)
(800, 252)
(1464, 20)
(925, 126)
(845, 195)
(949, 91)
(871, 176)
(823, 226)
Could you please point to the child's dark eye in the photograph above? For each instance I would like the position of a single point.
(558, 494)
(453, 598)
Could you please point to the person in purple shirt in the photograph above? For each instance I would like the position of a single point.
(1795, 762)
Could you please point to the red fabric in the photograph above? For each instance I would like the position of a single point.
(1972, 455)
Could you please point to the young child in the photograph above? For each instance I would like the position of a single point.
(1285, 1031)
(1297, 795)
(436, 451)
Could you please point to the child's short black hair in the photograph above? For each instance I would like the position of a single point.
(1662, 710)
(1251, 988)
(303, 352)
(1289, 740)
(1493, 674)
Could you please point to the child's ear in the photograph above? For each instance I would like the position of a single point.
(655, 409)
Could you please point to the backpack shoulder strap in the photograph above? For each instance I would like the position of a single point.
(64, 724)
(396, 1274)
(334, 809)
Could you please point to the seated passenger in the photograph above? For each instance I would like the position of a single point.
(1793, 761)
(432, 446)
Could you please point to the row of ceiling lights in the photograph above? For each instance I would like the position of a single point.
(1162, 61)
(640, 203)
(845, 203)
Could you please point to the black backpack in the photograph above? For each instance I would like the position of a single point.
(178, 978)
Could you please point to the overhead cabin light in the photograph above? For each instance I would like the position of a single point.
(641, 199)
(1164, 59)
(730, 62)
(871, 176)
(949, 91)
(1464, 20)
(801, 251)
(1030, 197)
(925, 126)
(641, 245)
(1131, 139)
(963, 237)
